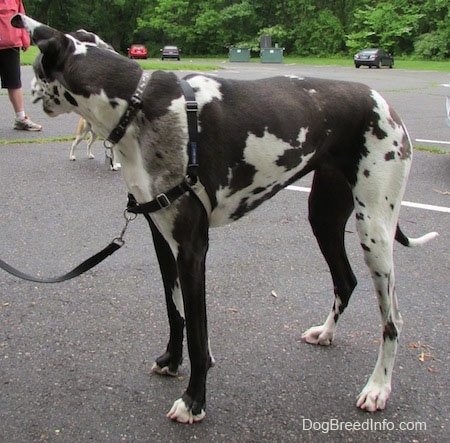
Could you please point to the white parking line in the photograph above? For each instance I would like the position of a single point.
(439, 142)
(404, 203)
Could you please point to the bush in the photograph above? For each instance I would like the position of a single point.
(323, 35)
(433, 45)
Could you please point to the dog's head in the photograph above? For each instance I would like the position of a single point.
(69, 72)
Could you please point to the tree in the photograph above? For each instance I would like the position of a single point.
(112, 20)
(303, 27)
(390, 25)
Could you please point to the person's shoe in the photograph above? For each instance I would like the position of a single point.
(25, 124)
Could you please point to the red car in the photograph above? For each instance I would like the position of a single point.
(137, 51)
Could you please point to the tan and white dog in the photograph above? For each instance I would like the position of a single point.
(84, 129)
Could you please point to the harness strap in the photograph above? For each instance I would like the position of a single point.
(164, 200)
(134, 105)
(190, 183)
(161, 201)
(191, 110)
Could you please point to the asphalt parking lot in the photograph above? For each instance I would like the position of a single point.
(75, 357)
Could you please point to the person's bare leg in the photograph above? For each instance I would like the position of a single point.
(16, 98)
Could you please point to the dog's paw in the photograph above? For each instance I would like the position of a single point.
(91, 156)
(72, 158)
(182, 414)
(318, 335)
(115, 166)
(163, 370)
(373, 397)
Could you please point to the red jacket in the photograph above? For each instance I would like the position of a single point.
(11, 37)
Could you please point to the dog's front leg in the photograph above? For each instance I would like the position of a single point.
(192, 238)
(169, 362)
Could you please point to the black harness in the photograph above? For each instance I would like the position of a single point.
(190, 184)
(165, 199)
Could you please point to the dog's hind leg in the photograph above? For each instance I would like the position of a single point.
(377, 198)
(330, 205)
(169, 362)
(80, 133)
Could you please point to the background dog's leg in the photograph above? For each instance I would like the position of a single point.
(191, 234)
(79, 136)
(168, 363)
(115, 166)
(330, 205)
(93, 136)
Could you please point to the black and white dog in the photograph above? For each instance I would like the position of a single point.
(254, 138)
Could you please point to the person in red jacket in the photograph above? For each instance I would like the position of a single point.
(12, 40)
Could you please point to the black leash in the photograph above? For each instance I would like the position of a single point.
(116, 244)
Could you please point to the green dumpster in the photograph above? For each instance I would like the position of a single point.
(239, 54)
(271, 55)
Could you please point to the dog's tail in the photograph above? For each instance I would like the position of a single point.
(413, 242)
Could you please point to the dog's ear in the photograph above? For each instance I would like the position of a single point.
(53, 56)
(51, 50)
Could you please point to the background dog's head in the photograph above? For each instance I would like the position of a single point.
(69, 71)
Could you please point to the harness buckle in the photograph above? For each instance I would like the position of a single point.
(162, 200)
(191, 106)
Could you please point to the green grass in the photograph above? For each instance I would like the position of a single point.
(173, 65)
(28, 57)
(400, 63)
(214, 63)
(431, 150)
(39, 141)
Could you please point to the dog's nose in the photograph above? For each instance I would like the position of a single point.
(17, 21)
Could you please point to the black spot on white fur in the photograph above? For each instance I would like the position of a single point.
(390, 331)
(70, 98)
(390, 156)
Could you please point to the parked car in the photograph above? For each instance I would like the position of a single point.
(137, 51)
(373, 57)
(170, 52)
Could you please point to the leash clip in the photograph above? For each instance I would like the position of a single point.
(129, 217)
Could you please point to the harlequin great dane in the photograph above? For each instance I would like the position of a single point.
(254, 138)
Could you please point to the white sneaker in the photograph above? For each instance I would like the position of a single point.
(25, 124)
